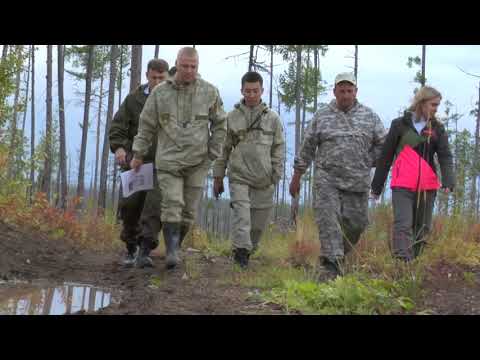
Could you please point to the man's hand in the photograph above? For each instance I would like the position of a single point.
(135, 164)
(446, 190)
(121, 156)
(295, 184)
(218, 188)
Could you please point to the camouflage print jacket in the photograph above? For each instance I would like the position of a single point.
(345, 146)
(124, 126)
(254, 154)
(188, 122)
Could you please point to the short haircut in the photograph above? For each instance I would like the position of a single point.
(187, 51)
(252, 77)
(159, 65)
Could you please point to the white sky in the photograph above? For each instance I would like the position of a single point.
(385, 82)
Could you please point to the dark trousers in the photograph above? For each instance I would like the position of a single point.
(412, 221)
(140, 215)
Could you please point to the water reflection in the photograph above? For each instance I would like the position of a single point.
(66, 299)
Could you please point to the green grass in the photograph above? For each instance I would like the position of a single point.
(375, 283)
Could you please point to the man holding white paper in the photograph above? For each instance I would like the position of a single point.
(139, 210)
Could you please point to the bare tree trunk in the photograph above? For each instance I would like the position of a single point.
(476, 163)
(47, 172)
(298, 100)
(424, 50)
(285, 150)
(157, 48)
(136, 67)
(111, 98)
(48, 301)
(26, 97)
(58, 188)
(115, 167)
(13, 123)
(4, 53)
(69, 299)
(83, 150)
(296, 199)
(250, 58)
(61, 118)
(271, 76)
(355, 68)
(97, 147)
(32, 131)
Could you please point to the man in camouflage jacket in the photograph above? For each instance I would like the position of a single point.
(345, 139)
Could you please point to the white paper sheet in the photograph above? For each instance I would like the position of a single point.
(137, 181)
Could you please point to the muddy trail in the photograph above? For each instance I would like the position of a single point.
(39, 275)
(44, 276)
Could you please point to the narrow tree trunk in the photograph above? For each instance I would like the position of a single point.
(476, 162)
(26, 97)
(32, 129)
(250, 58)
(157, 48)
(115, 167)
(271, 76)
(355, 68)
(47, 172)
(285, 150)
(316, 64)
(97, 147)
(61, 118)
(106, 147)
(4, 53)
(83, 150)
(13, 123)
(424, 50)
(136, 67)
(296, 199)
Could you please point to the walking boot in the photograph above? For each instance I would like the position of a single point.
(171, 234)
(241, 257)
(333, 268)
(143, 259)
(129, 259)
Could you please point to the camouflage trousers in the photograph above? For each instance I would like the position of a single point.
(251, 211)
(140, 215)
(341, 216)
(181, 193)
(411, 224)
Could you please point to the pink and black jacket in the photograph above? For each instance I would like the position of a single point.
(412, 155)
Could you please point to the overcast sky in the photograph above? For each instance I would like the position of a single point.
(384, 80)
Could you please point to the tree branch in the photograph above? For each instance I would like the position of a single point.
(477, 76)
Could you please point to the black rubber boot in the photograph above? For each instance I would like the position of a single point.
(334, 268)
(241, 257)
(171, 234)
(184, 229)
(143, 259)
(129, 259)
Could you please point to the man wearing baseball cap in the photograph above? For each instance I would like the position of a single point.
(344, 139)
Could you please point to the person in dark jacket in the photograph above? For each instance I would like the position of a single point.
(140, 211)
(411, 145)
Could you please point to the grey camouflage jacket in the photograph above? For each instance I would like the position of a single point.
(345, 146)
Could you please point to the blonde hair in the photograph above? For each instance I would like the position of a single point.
(423, 95)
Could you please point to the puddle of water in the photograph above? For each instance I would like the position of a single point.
(66, 299)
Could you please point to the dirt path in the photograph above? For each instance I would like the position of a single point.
(198, 286)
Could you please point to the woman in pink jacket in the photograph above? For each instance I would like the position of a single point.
(411, 144)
